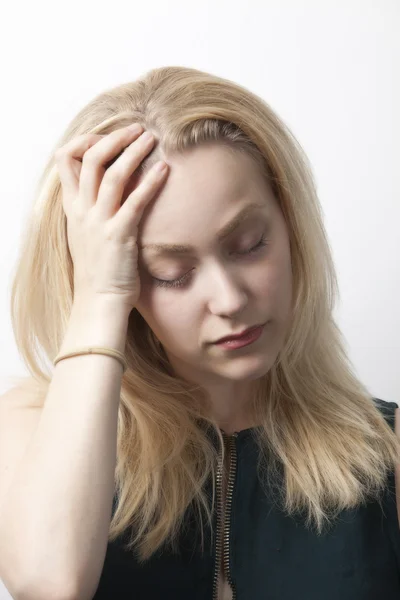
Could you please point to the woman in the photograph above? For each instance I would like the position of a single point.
(254, 468)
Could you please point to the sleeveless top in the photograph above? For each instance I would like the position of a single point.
(267, 554)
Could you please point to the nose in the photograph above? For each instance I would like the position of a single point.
(226, 292)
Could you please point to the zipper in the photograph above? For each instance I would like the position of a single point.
(222, 549)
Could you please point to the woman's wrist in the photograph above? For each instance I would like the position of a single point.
(96, 322)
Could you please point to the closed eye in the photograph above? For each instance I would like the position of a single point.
(261, 243)
(176, 283)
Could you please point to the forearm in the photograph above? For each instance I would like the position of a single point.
(56, 516)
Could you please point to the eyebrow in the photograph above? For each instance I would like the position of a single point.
(221, 235)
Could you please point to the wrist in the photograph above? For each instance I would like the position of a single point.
(101, 304)
(96, 322)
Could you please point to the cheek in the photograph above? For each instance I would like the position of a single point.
(169, 315)
(273, 285)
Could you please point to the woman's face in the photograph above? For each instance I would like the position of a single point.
(221, 286)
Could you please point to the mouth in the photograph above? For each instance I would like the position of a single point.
(240, 336)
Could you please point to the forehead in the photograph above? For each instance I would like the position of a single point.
(204, 187)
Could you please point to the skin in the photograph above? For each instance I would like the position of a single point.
(226, 290)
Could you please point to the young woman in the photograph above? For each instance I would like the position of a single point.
(203, 434)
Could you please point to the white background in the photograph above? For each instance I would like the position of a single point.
(329, 68)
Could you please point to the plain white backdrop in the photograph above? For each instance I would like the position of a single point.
(329, 68)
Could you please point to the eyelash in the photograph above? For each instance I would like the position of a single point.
(175, 283)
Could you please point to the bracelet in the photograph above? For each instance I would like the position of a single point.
(95, 350)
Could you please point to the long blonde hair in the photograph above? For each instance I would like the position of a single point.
(317, 419)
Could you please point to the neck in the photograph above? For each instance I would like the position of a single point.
(231, 407)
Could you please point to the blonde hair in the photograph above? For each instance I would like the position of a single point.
(317, 419)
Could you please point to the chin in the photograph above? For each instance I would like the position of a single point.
(245, 370)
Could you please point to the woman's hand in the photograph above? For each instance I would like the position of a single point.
(102, 234)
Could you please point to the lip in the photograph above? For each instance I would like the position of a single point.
(239, 336)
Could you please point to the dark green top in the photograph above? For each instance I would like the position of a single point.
(271, 556)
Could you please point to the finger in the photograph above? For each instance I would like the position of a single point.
(116, 178)
(96, 159)
(69, 160)
(127, 219)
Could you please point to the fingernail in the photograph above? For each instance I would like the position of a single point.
(135, 128)
(160, 166)
(147, 136)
